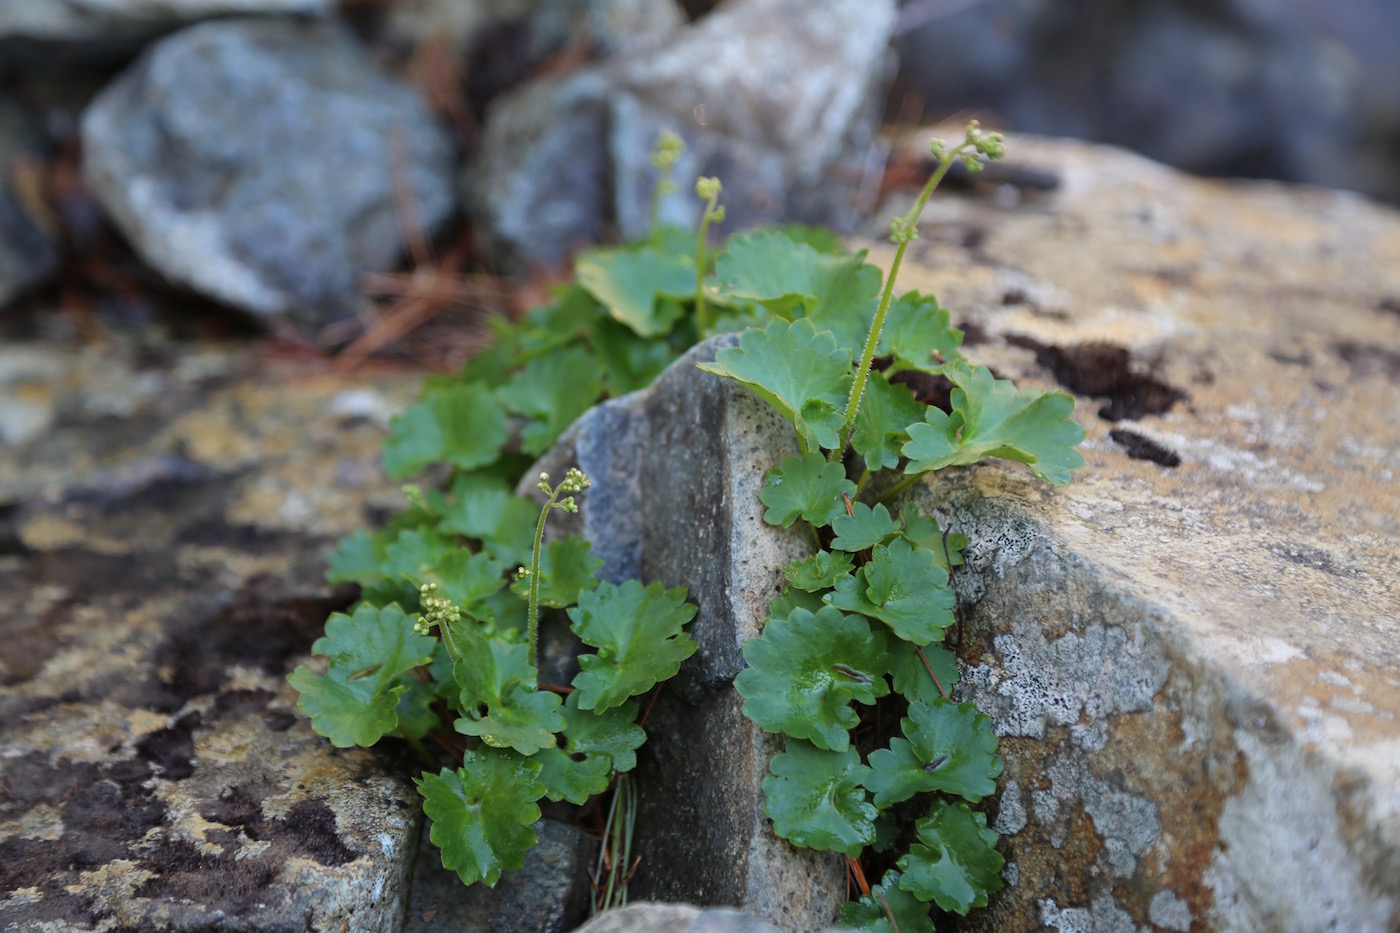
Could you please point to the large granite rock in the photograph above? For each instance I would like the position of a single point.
(1192, 666)
(256, 162)
(162, 532)
(780, 103)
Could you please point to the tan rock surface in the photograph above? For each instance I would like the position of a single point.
(1195, 669)
(162, 537)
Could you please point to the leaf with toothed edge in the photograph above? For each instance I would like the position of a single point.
(482, 813)
(948, 747)
(814, 798)
(955, 864)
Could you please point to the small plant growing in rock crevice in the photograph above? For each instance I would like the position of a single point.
(864, 616)
(443, 648)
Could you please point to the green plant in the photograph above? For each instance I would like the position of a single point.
(862, 619)
(442, 646)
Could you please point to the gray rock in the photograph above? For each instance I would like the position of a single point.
(675, 918)
(676, 472)
(778, 102)
(254, 161)
(549, 894)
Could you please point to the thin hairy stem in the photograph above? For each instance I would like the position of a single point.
(904, 235)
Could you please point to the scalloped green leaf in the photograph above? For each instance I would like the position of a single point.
(806, 486)
(415, 714)
(993, 418)
(955, 866)
(552, 391)
(499, 700)
(465, 578)
(483, 812)
(482, 506)
(565, 778)
(769, 268)
(463, 425)
(414, 553)
(790, 599)
(355, 702)
(630, 362)
(596, 746)
(356, 559)
(869, 915)
(567, 568)
(863, 528)
(815, 799)
(637, 631)
(947, 747)
(562, 321)
(919, 334)
(345, 713)
(819, 572)
(903, 587)
(882, 422)
(630, 282)
(803, 374)
(923, 532)
(805, 670)
(912, 679)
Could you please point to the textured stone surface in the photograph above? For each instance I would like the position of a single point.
(550, 894)
(676, 471)
(255, 161)
(1193, 668)
(675, 918)
(162, 530)
(779, 103)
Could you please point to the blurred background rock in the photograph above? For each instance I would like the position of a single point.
(172, 168)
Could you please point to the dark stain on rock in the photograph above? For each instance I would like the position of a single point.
(1144, 448)
(1303, 358)
(170, 751)
(106, 809)
(927, 388)
(1366, 360)
(1389, 305)
(1106, 371)
(230, 883)
(974, 334)
(29, 640)
(262, 626)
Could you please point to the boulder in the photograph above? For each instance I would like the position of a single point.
(257, 161)
(779, 103)
(162, 536)
(1189, 653)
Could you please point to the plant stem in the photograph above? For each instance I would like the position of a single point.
(911, 220)
(533, 626)
(702, 318)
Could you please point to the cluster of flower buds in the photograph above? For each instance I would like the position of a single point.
(668, 150)
(902, 230)
(990, 145)
(436, 611)
(708, 190)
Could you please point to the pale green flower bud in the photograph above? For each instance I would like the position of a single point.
(707, 188)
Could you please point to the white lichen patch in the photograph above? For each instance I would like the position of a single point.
(1170, 912)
